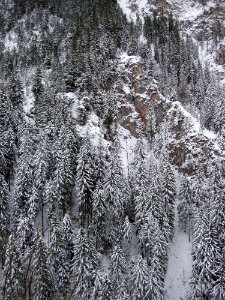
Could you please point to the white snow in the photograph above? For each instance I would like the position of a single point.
(209, 134)
(128, 143)
(135, 9)
(179, 264)
(75, 100)
(125, 5)
(125, 58)
(189, 12)
(93, 129)
(10, 41)
(142, 39)
(195, 127)
(134, 243)
(126, 89)
(105, 264)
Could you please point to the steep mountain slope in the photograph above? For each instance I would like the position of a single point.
(112, 152)
(203, 20)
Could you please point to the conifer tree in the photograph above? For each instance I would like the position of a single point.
(114, 193)
(16, 98)
(139, 279)
(4, 217)
(84, 267)
(7, 136)
(205, 257)
(43, 283)
(84, 182)
(118, 270)
(64, 174)
(168, 192)
(185, 205)
(100, 209)
(13, 272)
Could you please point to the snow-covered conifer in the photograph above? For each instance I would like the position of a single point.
(139, 284)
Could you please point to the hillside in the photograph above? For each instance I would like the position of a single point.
(112, 150)
(203, 20)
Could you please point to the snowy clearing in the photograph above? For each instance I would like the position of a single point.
(179, 265)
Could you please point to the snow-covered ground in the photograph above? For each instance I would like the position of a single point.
(192, 14)
(134, 9)
(195, 127)
(179, 264)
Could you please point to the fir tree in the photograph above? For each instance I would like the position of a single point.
(84, 183)
(139, 279)
(13, 272)
(118, 270)
(4, 217)
(43, 285)
(84, 267)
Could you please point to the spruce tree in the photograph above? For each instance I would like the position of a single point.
(139, 279)
(42, 274)
(84, 267)
(4, 217)
(13, 272)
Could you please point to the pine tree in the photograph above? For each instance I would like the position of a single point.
(13, 272)
(4, 217)
(155, 203)
(218, 290)
(156, 279)
(16, 97)
(7, 136)
(151, 125)
(168, 192)
(84, 183)
(66, 255)
(141, 203)
(114, 194)
(139, 279)
(185, 206)
(118, 269)
(42, 101)
(102, 288)
(64, 174)
(100, 209)
(84, 267)
(43, 285)
(127, 235)
(23, 177)
(56, 257)
(205, 257)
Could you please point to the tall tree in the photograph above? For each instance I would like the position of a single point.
(84, 267)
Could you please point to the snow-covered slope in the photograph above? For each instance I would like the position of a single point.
(204, 21)
(179, 265)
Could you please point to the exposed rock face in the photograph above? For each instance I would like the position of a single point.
(202, 19)
(189, 147)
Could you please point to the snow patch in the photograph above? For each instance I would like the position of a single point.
(142, 39)
(75, 103)
(126, 89)
(135, 9)
(10, 42)
(195, 127)
(105, 264)
(125, 5)
(128, 143)
(125, 58)
(179, 264)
